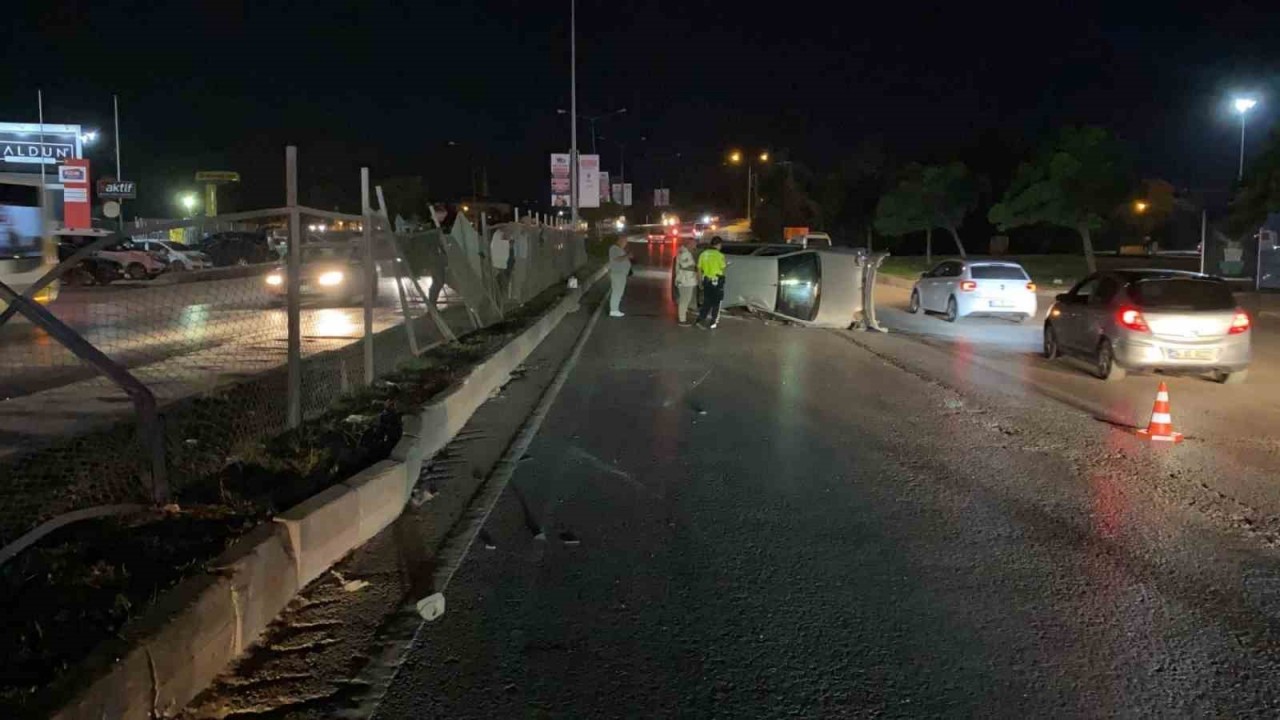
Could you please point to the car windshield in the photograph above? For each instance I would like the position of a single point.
(997, 272)
(1182, 294)
(328, 253)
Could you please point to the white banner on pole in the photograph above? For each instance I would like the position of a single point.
(588, 181)
(605, 191)
(661, 197)
(626, 195)
(560, 180)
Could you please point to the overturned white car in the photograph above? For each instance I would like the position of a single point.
(823, 288)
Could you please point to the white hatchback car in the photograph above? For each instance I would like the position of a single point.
(959, 288)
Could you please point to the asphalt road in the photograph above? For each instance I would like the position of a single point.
(768, 521)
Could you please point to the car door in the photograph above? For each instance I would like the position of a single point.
(947, 284)
(926, 286)
(1073, 312)
(1097, 312)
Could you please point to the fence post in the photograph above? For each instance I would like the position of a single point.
(398, 254)
(370, 275)
(293, 280)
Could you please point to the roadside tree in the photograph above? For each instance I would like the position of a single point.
(1073, 182)
(1259, 194)
(928, 197)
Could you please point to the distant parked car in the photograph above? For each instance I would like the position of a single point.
(90, 270)
(138, 264)
(960, 288)
(1152, 320)
(812, 241)
(176, 255)
(237, 247)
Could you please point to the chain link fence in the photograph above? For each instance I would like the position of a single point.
(135, 386)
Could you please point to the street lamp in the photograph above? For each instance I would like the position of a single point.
(1139, 207)
(1243, 105)
(735, 158)
(188, 202)
(592, 119)
(89, 137)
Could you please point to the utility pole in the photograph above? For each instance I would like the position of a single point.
(115, 103)
(573, 111)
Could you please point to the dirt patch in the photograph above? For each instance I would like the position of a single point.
(81, 585)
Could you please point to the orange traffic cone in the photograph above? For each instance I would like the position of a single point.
(1161, 425)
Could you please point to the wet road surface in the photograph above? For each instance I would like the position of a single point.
(766, 521)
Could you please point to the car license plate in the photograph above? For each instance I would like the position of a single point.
(1001, 304)
(1191, 354)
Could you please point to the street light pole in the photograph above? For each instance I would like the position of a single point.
(1243, 105)
(115, 106)
(1240, 174)
(749, 203)
(573, 111)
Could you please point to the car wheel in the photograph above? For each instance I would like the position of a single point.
(1051, 348)
(1105, 363)
(913, 306)
(1231, 378)
(105, 276)
(135, 271)
(953, 311)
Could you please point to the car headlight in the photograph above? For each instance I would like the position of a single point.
(331, 278)
(275, 279)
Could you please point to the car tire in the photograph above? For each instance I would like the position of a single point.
(1104, 363)
(1231, 378)
(103, 276)
(1051, 350)
(913, 306)
(953, 310)
(135, 271)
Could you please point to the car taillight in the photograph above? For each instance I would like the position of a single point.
(1132, 319)
(968, 285)
(1239, 323)
(1031, 287)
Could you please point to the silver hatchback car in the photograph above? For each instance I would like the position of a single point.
(1152, 320)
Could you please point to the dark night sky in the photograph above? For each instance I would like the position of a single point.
(224, 84)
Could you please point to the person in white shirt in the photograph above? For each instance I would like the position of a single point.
(686, 281)
(500, 256)
(619, 270)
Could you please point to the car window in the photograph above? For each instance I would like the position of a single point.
(955, 269)
(798, 280)
(1182, 294)
(937, 271)
(1105, 291)
(1085, 288)
(997, 272)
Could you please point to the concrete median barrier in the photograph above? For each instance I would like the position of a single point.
(205, 623)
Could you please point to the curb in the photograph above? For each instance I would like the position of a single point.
(201, 626)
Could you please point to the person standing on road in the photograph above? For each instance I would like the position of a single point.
(500, 256)
(686, 281)
(711, 265)
(619, 270)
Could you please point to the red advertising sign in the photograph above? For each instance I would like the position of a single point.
(74, 176)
